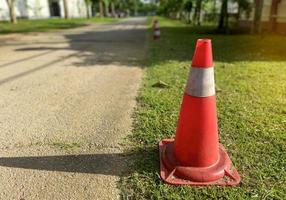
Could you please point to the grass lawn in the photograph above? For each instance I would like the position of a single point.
(43, 25)
(250, 74)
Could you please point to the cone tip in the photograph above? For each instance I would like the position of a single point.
(204, 40)
(203, 54)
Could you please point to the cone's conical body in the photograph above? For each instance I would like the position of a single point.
(196, 142)
(195, 157)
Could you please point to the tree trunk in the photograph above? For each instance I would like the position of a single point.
(273, 14)
(256, 26)
(135, 8)
(188, 17)
(101, 8)
(223, 18)
(66, 10)
(106, 9)
(238, 13)
(197, 14)
(11, 6)
(214, 8)
(112, 9)
(93, 10)
(88, 15)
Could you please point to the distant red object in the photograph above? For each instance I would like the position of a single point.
(195, 157)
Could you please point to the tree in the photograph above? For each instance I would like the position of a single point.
(223, 23)
(113, 5)
(223, 18)
(11, 7)
(101, 12)
(256, 25)
(95, 4)
(171, 7)
(243, 5)
(66, 10)
(88, 4)
(197, 15)
(135, 7)
(273, 14)
(188, 6)
(106, 7)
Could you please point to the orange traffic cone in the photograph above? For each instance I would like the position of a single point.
(195, 157)
(156, 28)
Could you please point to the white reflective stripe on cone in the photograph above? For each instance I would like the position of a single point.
(201, 82)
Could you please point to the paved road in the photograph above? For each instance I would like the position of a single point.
(66, 101)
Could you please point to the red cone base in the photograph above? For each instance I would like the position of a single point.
(222, 173)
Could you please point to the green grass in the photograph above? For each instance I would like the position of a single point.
(66, 145)
(25, 26)
(250, 74)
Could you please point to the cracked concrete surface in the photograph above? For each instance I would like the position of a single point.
(66, 100)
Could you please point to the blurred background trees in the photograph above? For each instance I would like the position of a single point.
(226, 15)
(197, 11)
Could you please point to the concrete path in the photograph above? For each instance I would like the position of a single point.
(66, 101)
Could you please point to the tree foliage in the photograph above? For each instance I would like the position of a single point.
(188, 5)
(167, 7)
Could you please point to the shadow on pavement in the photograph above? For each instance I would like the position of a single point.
(121, 47)
(25, 73)
(115, 164)
(24, 59)
(106, 164)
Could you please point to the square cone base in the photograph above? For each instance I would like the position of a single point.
(231, 176)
